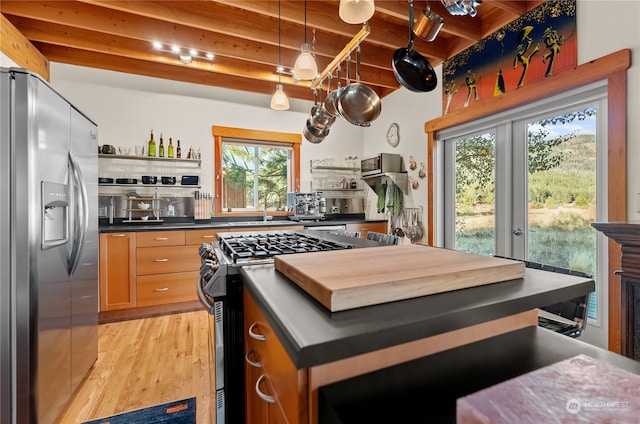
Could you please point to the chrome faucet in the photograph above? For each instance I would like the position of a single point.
(265, 215)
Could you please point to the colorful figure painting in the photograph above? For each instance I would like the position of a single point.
(538, 45)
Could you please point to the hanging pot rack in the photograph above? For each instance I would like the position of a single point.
(346, 51)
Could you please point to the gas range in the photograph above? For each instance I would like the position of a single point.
(220, 292)
(234, 250)
(252, 248)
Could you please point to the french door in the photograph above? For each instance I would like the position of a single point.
(527, 184)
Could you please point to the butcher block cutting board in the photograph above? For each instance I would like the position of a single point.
(352, 278)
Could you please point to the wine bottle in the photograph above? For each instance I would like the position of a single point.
(170, 148)
(178, 150)
(152, 145)
(161, 147)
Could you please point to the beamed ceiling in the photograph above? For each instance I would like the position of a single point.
(243, 35)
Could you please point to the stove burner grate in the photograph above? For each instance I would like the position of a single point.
(266, 245)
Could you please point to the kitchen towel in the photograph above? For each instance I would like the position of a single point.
(176, 412)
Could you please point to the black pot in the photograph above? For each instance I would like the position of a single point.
(411, 69)
(149, 179)
(126, 181)
(108, 149)
(168, 180)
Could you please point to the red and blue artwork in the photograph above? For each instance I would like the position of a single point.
(538, 45)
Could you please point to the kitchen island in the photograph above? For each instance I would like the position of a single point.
(321, 348)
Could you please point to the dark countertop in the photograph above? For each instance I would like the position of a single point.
(312, 335)
(182, 224)
(433, 383)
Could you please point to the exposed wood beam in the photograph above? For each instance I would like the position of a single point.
(93, 41)
(17, 47)
(170, 71)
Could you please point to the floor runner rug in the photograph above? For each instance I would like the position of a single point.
(177, 412)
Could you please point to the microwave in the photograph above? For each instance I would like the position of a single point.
(380, 164)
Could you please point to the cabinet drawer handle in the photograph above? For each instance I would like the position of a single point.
(256, 336)
(161, 260)
(266, 398)
(118, 235)
(161, 238)
(255, 364)
(162, 289)
(208, 237)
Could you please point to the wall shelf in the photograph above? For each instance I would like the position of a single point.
(335, 168)
(151, 185)
(148, 158)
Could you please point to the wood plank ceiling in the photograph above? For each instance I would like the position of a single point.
(243, 36)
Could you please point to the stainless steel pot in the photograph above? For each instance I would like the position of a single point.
(359, 104)
(331, 101)
(314, 135)
(320, 118)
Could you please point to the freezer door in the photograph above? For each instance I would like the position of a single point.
(46, 160)
(6, 353)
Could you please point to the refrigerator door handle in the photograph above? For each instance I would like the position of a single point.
(81, 212)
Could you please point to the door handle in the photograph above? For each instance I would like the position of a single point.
(517, 232)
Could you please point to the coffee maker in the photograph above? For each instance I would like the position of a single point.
(306, 206)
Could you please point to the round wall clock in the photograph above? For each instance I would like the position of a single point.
(393, 135)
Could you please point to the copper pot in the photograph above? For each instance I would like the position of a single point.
(428, 25)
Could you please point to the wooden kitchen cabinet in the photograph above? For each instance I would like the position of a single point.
(197, 237)
(166, 268)
(154, 268)
(282, 380)
(117, 271)
(161, 238)
(166, 259)
(364, 228)
(162, 289)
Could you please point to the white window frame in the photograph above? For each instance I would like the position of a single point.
(505, 124)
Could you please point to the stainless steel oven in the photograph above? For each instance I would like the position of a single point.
(220, 292)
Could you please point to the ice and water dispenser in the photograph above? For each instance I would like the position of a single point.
(55, 214)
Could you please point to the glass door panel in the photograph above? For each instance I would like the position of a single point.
(474, 194)
(562, 191)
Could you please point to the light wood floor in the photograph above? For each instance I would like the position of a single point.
(145, 362)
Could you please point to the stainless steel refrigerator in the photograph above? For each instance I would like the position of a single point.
(48, 248)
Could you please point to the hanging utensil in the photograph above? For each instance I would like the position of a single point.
(411, 69)
(314, 135)
(320, 117)
(428, 25)
(331, 101)
(359, 104)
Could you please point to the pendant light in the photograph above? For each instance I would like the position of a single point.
(279, 100)
(356, 11)
(305, 67)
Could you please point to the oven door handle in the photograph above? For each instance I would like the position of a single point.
(203, 298)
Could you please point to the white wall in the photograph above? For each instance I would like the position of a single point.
(6, 61)
(127, 107)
